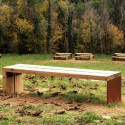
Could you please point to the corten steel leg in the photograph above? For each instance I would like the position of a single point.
(114, 90)
(12, 82)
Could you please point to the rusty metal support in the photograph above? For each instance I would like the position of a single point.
(114, 90)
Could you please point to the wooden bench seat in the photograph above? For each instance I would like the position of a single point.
(63, 56)
(84, 56)
(118, 57)
(119, 54)
(13, 82)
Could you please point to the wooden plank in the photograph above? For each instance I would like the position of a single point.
(82, 58)
(61, 57)
(66, 71)
(18, 83)
(64, 54)
(57, 74)
(4, 74)
(119, 54)
(8, 78)
(12, 82)
(62, 68)
(117, 58)
(83, 53)
(62, 73)
(120, 57)
(57, 71)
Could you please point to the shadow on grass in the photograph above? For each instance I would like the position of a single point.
(70, 96)
(85, 98)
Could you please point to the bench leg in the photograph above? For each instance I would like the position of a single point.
(12, 82)
(114, 90)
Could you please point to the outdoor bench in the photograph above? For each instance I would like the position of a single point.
(63, 56)
(84, 56)
(13, 81)
(118, 56)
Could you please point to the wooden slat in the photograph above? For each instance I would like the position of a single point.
(64, 53)
(83, 53)
(62, 57)
(63, 72)
(118, 54)
(63, 68)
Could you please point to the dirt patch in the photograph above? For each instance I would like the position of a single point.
(63, 104)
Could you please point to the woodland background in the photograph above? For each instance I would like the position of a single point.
(49, 26)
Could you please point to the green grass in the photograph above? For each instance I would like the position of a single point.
(84, 93)
(48, 116)
(101, 62)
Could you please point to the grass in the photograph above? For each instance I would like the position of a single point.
(102, 62)
(85, 92)
(47, 117)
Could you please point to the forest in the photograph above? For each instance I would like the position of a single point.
(49, 26)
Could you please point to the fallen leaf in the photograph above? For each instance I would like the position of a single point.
(37, 113)
(60, 112)
(39, 93)
(55, 94)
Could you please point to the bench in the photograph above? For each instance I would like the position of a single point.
(84, 56)
(60, 57)
(13, 81)
(118, 57)
(63, 56)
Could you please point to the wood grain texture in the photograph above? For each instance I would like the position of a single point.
(18, 83)
(63, 72)
(84, 56)
(64, 54)
(8, 82)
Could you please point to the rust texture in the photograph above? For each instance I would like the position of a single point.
(114, 90)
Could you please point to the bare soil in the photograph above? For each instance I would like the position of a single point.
(62, 104)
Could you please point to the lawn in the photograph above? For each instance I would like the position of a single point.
(61, 101)
(101, 62)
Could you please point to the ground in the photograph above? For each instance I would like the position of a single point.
(61, 100)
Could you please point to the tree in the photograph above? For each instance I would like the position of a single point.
(49, 27)
(8, 34)
(25, 28)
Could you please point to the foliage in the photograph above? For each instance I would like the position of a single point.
(8, 33)
(24, 27)
(116, 39)
(50, 26)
